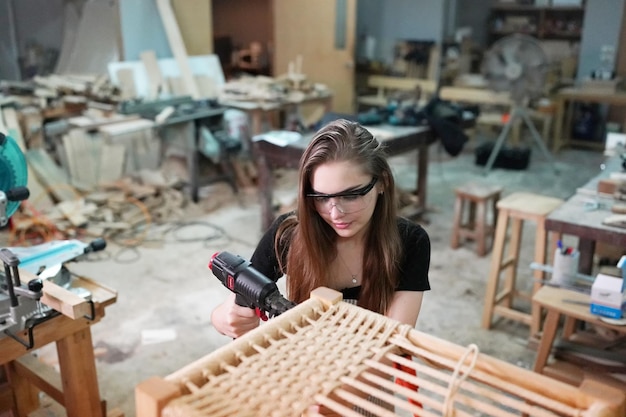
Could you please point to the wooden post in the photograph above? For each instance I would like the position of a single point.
(78, 373)
(152, 395)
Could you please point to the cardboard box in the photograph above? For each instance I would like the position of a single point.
(609, 185)
(607, 297)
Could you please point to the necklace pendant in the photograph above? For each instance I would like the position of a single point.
(354, 279)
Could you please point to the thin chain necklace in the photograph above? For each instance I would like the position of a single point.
(354, 281)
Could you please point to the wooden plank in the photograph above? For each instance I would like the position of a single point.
(53, 177)
(195, 21)
(178, 46)
(475, 95)
(126, 83)
(111, 162)
(25, 395)
(72, 210)
(206, 86)
(156, 83)
(38, 195)
(3, 127)
(83, 153)
(126, 127)
(12, 124)
(152, 395)
(43, 376)
(60, 299)
(401, 83)
(80, 379)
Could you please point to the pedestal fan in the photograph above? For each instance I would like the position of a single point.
(517, 64)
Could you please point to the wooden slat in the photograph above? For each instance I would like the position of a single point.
(40, 375)
(60, 299)
(401, 83)
(475, 95)
(38, 194)
(178, 46)
(51, 175)
(111, 162)
(83, 153)
(126, 83)
(155, 78)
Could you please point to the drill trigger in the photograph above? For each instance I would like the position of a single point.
(260, 313)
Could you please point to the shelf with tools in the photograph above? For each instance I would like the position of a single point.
(542, 22)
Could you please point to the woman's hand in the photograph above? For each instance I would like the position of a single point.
(233, 320)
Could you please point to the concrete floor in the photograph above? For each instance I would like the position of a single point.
(165, 284)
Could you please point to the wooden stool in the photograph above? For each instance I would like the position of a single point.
(476, 228)
(517, 207)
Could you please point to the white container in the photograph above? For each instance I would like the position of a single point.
(565, 268)
(607, 290)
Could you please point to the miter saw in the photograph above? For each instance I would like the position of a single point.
(21, 308)
(13, 178)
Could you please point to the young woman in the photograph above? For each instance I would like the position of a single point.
(345, 234)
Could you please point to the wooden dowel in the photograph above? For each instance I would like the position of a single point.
(413, 395)
(553, 394)
(362, 403)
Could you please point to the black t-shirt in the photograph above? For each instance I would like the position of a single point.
(413, 266)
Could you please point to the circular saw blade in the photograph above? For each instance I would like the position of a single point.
(13, 170)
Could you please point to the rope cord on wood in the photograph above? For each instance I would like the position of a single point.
(456, 381)
(343, 357)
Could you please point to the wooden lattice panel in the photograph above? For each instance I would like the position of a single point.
(355, 362)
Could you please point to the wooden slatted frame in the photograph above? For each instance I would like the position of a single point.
(367, 344)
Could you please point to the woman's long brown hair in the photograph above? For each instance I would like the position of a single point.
(307, 242)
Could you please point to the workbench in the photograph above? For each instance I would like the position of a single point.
(76, 388)
(186, 126)
(258, 111)
(564, 99)
(396, 139)
(582, 215)
(573, 306)
(181, 130)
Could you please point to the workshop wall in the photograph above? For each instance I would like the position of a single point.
(244, 21)
(28, 25)
(390, 21)
(142, 29)
(602, 25)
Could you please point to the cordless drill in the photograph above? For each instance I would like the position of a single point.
(252, 289)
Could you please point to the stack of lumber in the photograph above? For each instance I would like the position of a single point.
(122, 211)
(91, 171)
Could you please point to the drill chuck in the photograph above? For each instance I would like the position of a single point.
(252, 288)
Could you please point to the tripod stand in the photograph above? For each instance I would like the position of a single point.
(519, 112)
